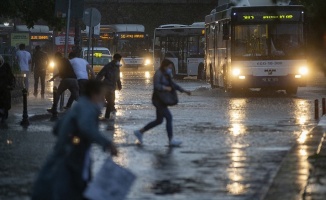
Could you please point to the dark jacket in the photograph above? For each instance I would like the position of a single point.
(61, 178)
(65, 69)
(39, 62)
(7, 83)
(111, 74)
(162, 80)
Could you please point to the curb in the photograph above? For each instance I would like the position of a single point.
(287, 171)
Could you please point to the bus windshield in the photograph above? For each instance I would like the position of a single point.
(132, 47)
(268, 41)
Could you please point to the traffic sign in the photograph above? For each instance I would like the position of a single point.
(96, 30)
(91, 17)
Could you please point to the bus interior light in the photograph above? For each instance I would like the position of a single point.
(298, 76)
(303, 70)
(242, 77)
(236, 72)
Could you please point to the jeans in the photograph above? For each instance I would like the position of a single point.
(110, 102)
(39, 76)
(161, 113)
(70, 84)
(26, 79)
(81, 84)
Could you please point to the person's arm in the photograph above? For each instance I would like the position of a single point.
(179, 88)
(29, 58)
(101, 74)
(88, 126)
(54, 77)
(91, 71)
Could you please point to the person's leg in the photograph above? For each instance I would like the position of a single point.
(61, 88)
(81, 84)
(36, 78)
(74, 92)
(113, 102)
(108, 98)
(168, 116)
(42, 77)
(156, 122)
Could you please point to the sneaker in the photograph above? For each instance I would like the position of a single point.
(139, 136)
(175, 143)
(66, 107)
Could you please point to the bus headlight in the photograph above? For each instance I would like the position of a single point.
(236, 72)
(303, 70)
(148, 61)
(52, 64)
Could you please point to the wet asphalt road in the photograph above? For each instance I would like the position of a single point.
(232, 144)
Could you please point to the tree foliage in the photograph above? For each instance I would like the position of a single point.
(30, 11)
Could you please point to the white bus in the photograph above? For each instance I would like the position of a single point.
(129, 40)
(260, 46)
(184, 45)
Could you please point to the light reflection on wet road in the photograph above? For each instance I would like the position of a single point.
(232, 147)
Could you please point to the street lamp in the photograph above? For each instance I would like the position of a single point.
(6, 23)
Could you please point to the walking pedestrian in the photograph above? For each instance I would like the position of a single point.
(68, 82)
(162, 82)
(39, 65)
(82, 70)
(111, 74)
(7, 83)
(24, 59)
(68, 169)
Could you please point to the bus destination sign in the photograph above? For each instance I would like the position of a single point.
(265, 17)
(132, 36)
(39, 37)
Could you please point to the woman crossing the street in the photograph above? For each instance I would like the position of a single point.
(164, 95)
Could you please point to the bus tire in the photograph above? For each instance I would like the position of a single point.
(292, 90)
(201, 72)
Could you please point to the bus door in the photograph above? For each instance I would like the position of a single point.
(195, 55)
(183, 46)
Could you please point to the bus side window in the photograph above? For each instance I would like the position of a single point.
(226, 34)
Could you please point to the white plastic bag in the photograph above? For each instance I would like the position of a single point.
(112, 182)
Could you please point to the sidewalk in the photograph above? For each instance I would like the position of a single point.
(302, 174)
(36, 109)
(23, 150)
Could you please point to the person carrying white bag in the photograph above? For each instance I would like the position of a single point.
(66, 172)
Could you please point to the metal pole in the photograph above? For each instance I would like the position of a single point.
(77, 37)
(67, 28)
(89, 35)
(25, 121)
(93, 47)
(316, 109)
(324, 106)
(54, 116)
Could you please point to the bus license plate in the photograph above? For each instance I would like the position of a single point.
(270, 79)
